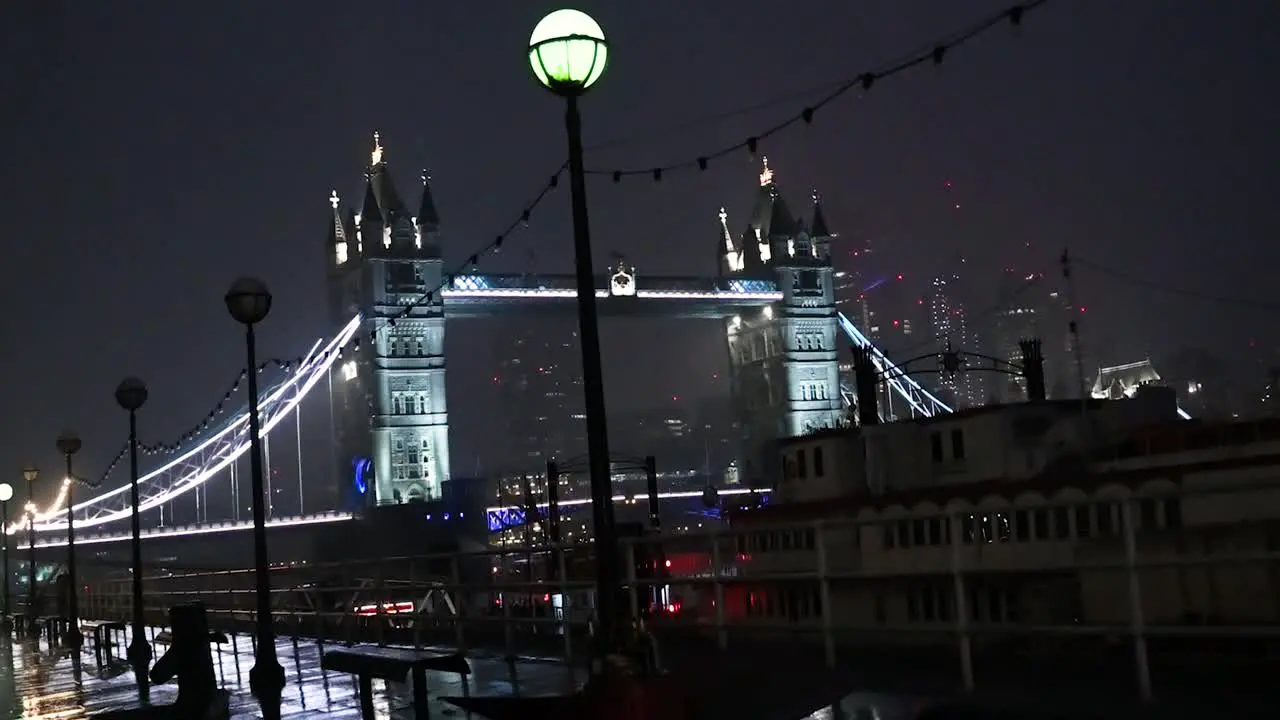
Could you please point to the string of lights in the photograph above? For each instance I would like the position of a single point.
(935, 53)
(1132, 279)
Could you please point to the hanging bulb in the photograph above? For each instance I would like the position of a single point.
(702, 163)
(617, 176)
(657, 174)
(807, 115)
(751, 145)
(1015, 17)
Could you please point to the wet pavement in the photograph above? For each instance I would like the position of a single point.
(39, 683)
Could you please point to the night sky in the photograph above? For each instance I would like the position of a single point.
(157, 150)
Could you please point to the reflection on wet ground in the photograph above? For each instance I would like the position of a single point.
(39, 683)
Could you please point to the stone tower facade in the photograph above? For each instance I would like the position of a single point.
(782, 359)
(391, 415)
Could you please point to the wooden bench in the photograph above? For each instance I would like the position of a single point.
(367, 662)
(102, 633)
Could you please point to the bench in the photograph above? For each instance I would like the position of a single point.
(55, 627)
(17, 623)
(163, 637)
(367, 662)
(102, 633)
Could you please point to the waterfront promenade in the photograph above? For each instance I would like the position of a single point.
(39, 683)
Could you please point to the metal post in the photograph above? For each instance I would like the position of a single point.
(297, 441)
(139, 651)
(266, 678)
(455, 576)
(606, 546)
(962, 605)
(717, 564)
(824, 592)
(31, 553)
(73, 638)
(1137, 619)
(4, 530)
(266, 476)
(556, 568)
(235, 491)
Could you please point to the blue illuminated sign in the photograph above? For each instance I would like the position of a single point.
(362, 467)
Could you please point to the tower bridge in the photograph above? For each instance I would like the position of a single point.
(383, 371)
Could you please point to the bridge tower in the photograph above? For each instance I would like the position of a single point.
(783, 368)
(391, 418)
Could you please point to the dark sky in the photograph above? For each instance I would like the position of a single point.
(156, 150)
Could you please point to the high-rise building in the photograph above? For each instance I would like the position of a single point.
(1020, 315)
(949, 323)
(539, 380)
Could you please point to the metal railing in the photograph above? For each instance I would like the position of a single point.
(841, 583)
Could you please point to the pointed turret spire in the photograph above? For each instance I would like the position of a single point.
(375, 157)
(428, 218)
(729, 256)
(781, 222)
(339, 241)
(819, 224)
(381, 201)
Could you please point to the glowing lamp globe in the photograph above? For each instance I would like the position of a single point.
(568, 52)
(6, 492)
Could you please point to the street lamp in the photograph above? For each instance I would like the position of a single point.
(249, 301)
(6, 494)
(68, 445)
(30, 473)
(131, 394)
(568, 54)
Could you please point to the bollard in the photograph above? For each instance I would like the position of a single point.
(189, 660)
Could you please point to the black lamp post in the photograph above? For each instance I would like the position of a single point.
(249, 301)
(568, 54)
(30, 473)
(131, 394)
(6, 494)
(68, 445)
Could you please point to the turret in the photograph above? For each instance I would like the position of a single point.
(341, 244)
(729, 259)
(819, 231)
(384, 221)
(427, 221)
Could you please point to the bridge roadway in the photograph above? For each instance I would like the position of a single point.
(781, 674)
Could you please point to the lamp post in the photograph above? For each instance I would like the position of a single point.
(249, 301)
(568, 54)
(131, 394)
(30, 473)
(68, 445)
(6, 494)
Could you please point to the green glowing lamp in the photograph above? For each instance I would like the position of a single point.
(568, 52)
